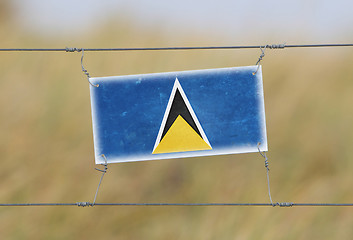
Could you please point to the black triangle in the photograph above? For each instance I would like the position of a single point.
(179, 108)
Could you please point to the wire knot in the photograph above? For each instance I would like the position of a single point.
(105, 165)
(84, 70)
(84, 204)
(68, 49)
(267, 164)
(283, 204)
(261, 55)
(263, 49)
(258, 63)
(103, 172)
(263, 154)
(276, 46)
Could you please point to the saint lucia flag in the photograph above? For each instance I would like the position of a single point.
(179, 114)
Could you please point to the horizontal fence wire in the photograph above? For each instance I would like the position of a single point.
(88, 204)
(271, 46)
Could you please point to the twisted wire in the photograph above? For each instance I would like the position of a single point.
(88, 204)
(269, 46)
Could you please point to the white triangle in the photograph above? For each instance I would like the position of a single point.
(176, 87)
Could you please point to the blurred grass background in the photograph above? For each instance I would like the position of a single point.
(46, 144)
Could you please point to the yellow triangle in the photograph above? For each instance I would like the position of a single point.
(181, 137)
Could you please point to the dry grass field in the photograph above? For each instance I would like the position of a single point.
(46, 145)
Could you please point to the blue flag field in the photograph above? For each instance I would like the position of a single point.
(178, 114)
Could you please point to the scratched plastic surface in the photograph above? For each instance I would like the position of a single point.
(127, 112)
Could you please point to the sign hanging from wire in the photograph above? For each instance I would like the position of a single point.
(178, 114)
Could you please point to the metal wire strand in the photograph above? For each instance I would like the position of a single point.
(270, 46)
(103, 172)
(263, 154)
(83, 69)
(260, 59)
(87, 204)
